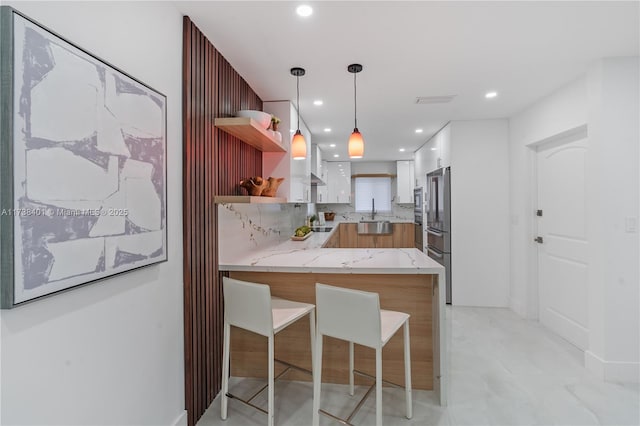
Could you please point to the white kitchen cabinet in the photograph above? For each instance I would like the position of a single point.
(297, 173)
(322, 193)
(444, 147)
(434, 154)
(338, 182)
(404, 182)
(431, 154)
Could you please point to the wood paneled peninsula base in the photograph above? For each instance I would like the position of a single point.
(406, 279)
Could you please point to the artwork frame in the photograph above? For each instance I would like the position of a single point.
(83, 166)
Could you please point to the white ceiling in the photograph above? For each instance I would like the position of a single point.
(522, 50)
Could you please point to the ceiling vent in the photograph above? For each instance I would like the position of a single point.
(434, 99)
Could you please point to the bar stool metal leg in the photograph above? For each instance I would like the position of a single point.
(407, 370)
(379, 386)
(317, 380)
(312, 333)
(270, 413)
(351, 368)
(225, 371)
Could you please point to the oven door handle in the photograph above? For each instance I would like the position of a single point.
(432, 232)
(435, 253)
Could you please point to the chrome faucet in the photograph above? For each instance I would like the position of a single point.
(373, 208)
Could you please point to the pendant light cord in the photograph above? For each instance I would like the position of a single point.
(355, 102)
(298, 98)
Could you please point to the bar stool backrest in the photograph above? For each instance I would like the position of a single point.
(248, 306)
(347, 314)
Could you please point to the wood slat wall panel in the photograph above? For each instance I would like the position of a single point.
(214, 163)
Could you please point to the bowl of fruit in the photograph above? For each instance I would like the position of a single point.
(302, 233)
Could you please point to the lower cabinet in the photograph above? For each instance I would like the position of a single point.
(334, 240)
(404, 235)
(346, 236)
(349, 235)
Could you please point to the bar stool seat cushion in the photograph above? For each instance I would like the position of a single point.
(390, 322)
(286, 312)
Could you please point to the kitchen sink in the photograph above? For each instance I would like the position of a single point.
(321, 228)
(375, 227)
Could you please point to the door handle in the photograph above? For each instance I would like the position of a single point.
(538, 240)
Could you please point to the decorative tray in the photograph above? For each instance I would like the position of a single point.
(294, 238)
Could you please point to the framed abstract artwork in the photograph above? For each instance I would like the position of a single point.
(83, 176)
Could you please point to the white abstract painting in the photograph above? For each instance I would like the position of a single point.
(89, 159)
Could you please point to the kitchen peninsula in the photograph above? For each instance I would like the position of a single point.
(406, 279)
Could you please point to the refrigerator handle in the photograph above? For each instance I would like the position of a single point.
(437, 234)
(435, 253)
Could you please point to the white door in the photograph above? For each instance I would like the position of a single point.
(562, 254)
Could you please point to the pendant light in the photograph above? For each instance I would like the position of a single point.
(298, 144)
(356, 143)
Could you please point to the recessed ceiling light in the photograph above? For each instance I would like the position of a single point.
(327, 129)
(318, 102)
(304, 10)
(418, 130)
(333, 145)
(434, 149)
(490, 95)
(401, 150)
(292, 130)
(336, 155)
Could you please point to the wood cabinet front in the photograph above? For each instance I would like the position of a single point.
(402, 237)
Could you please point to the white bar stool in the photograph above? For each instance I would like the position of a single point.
(355, 316)
(251, 307)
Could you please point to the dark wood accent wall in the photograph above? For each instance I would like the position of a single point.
(214, 163)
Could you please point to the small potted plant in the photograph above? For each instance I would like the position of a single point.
(274, 123)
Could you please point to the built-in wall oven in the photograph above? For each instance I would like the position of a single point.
(417, 218)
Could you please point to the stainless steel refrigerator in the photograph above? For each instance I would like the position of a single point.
(438, 229)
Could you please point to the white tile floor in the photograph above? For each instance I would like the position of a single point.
(504, 371)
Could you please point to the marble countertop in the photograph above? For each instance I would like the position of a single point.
(309, 256)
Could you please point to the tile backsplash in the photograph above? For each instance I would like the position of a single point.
(400, 212)
(246, 227)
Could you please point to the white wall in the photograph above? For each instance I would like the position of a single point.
(399, 212)
(605, 101)
(110, 352)
(553, 115)
(614, 290)
(479, 213)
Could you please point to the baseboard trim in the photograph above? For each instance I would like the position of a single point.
(612, 371)
(181, 420)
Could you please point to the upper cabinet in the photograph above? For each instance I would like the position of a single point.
(338, 182)
(404, 182)
(434, 154)
(444, 147)
(322, 193)
(297, 173)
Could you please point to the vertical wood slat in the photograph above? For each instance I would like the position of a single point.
(213, 164)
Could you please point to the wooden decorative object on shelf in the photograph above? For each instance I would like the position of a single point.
(272, 187)
(254, 185)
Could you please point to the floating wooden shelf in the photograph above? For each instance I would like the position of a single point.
(247, 199)
(250, 132)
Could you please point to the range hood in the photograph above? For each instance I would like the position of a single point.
(316, 181)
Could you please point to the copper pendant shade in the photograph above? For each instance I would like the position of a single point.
(356, 142)
(298, 143)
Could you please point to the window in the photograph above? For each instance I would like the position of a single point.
(368, 188)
